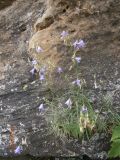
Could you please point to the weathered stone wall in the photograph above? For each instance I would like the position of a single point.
(27, 24)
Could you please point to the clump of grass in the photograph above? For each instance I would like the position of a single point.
(76, 119)
(71, 113)
(79, 118)
(108, 117)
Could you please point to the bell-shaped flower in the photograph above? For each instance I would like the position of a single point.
(39, 49)
(18, 150)
(59, 70)
(84, 109)
(33, 71)
(42, 70)
(69, 103)
(78, 59)
(34, 62)
(64, 34)
(77, 82)
(42, 77)
(79, 44)
(41, 107)
(75, 43)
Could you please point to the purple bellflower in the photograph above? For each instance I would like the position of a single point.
(39, 49)
(76, 82)
(84, 109)
(42, 77)
(33, 71)
(69, 103)
(59, 70)
(34, 62)
(42, 70)
(75, 43)
(79, 44)
(18, 150)
(64, 34)
(42, 74)
(78, 59)
(41, 107)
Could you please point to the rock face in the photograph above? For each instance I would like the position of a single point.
(26, 25)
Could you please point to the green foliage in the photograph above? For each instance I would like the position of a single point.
(116, 133)
(101, 125)
(115, 147)
(65, 121)
(73, 129)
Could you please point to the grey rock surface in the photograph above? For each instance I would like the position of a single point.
(21, 123)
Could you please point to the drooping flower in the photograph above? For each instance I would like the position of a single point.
(75, 43)
(42, 70)
(79, 44)
(76, 82)
(34, 62)
(33, 71)
(42, 73)
(18, 150)
(42, 77)
(41, 107)
(69, 103)
(64, 34)
(78, 59)
(84, 109)
(24, 141)
(59, 70)
(39, 49)
(16, 140)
